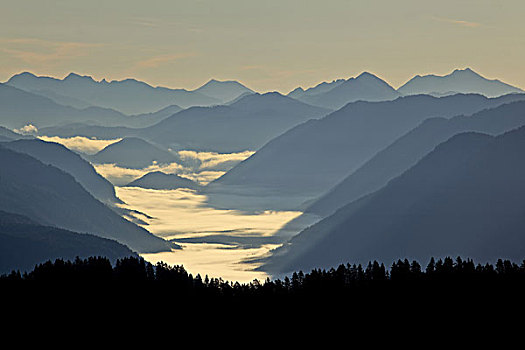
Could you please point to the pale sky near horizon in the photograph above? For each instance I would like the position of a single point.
(267, 45)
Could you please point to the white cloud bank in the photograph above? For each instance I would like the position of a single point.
(28, 129)
(80, 144)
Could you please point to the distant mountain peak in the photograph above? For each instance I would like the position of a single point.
(24, 74)
(296, 90)
(466, 71)
(367, 75)
(73, 75)
(214, 81)
(225, 90)
(463, 80)
(267, 97)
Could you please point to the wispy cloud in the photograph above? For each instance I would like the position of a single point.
(38, 51)
(29, 129)
(156, 61)
(458, 22)
(145, 22)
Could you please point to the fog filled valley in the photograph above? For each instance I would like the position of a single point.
(240, 185)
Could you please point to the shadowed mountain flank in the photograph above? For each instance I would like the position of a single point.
(59, 156)
(410, 148)
(52, 197)
(24, 243)
(464, 198)
(314, 156)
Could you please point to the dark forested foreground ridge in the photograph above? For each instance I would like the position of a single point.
(459, 277)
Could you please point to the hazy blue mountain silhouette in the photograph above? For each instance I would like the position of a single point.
(19, 108)
(24, 243)
(9, 135)
(223, 91)
(128, 96)
(313, 157)
(299, 93)
(148, 119)
(410, 148)
(241, 96)
(467, 197)
(61, 99)
(459, 81)
(365, 87)
(244, 125)
(133, 153)
(52, 197)
(158, 180)
(59, 156)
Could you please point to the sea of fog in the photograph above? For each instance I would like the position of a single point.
(216, 242)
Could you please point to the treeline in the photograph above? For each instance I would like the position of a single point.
(134, 274)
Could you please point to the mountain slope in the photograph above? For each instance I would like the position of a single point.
(8, 135)
(300, 94)
(133, 153)
(459, 81)
(50, 196)
(313, 157)
(59, 156)
(365, 87)
(244, 125)
(128, 96)
(19, 108)
(24, 243)
(466, 198)
(158, 180)
(149, 119)
(409, 149)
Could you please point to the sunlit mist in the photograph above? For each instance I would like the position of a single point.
(184, 213)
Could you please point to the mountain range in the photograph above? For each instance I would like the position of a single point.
(365, 87)
(19, 108)
(246, 124)
(459, 81)
(127, 96)
(312, 157)
(368, 87)
(433, 168)
(410, 148)
(466, 197)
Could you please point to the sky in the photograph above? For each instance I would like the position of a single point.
(267, 45)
